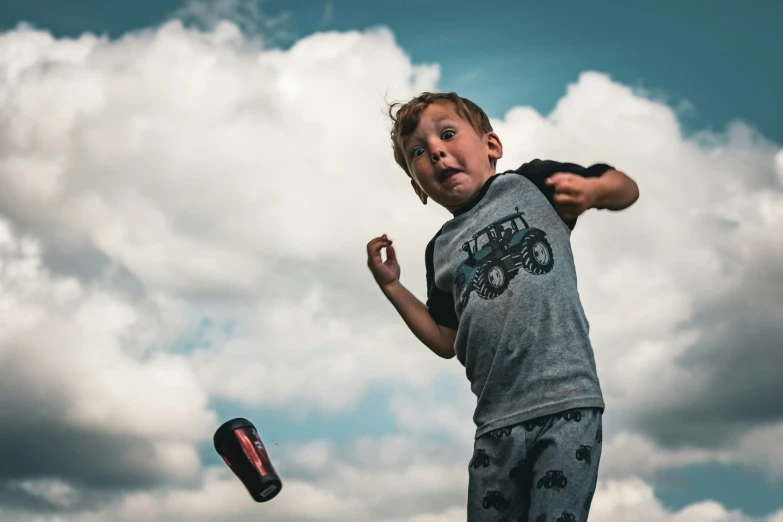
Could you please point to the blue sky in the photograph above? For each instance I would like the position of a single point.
(722, 57)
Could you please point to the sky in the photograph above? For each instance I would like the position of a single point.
(187, 189)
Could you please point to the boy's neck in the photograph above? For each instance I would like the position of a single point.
(475, 199)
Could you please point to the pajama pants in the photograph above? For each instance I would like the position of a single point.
(542, 470)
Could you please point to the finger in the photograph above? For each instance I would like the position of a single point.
(374, 240)
(558, 178)
(378, 247)
(391, 255)
(566, 191)
(569, 185)
(374, 243)
(564, 198)
(374, 259)
(374, 251)
(372, 248)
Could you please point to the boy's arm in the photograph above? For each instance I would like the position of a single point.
(416, 315)
(422, 321)
(574, 194)
(572, 188)
(613, 190)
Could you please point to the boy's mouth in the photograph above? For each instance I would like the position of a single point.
(448, 174)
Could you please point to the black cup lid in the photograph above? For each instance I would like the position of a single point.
(228, 427)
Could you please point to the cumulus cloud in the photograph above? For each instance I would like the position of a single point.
(366, 480)
(425, 487)
(73, 392)
(125, 225)
(209, 169)
(299, 355)
(196, 163)
(633, 500)
(174, 175)
(681, 289)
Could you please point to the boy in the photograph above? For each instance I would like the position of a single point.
(502, 296)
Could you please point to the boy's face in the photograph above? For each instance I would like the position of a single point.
(448, 160)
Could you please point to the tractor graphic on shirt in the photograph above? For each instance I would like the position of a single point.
(497, 252)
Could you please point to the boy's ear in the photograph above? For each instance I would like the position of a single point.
(494, 146)
(419, 192)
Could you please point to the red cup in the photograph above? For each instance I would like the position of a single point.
(237, 441)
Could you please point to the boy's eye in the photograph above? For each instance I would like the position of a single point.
(418, 151)
(447, 135)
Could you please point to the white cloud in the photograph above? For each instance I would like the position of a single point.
(297, 354)
(56, 493)
(354, 489)
(366, 480)
(66, 376)
(634, 501)
(441, 409)
(703, 233)
(629, 454)
(123, 168)
(761, 449)
(219, 180)
(182, 156)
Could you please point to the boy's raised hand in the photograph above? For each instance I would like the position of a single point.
(387, 272)
(573, 194)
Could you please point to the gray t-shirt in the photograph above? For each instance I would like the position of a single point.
(501, 273)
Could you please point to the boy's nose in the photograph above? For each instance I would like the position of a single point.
(437, 154)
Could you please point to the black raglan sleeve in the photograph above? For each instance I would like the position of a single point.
(538, 171)
(439, 302)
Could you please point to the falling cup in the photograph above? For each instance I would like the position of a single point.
(238, 442)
